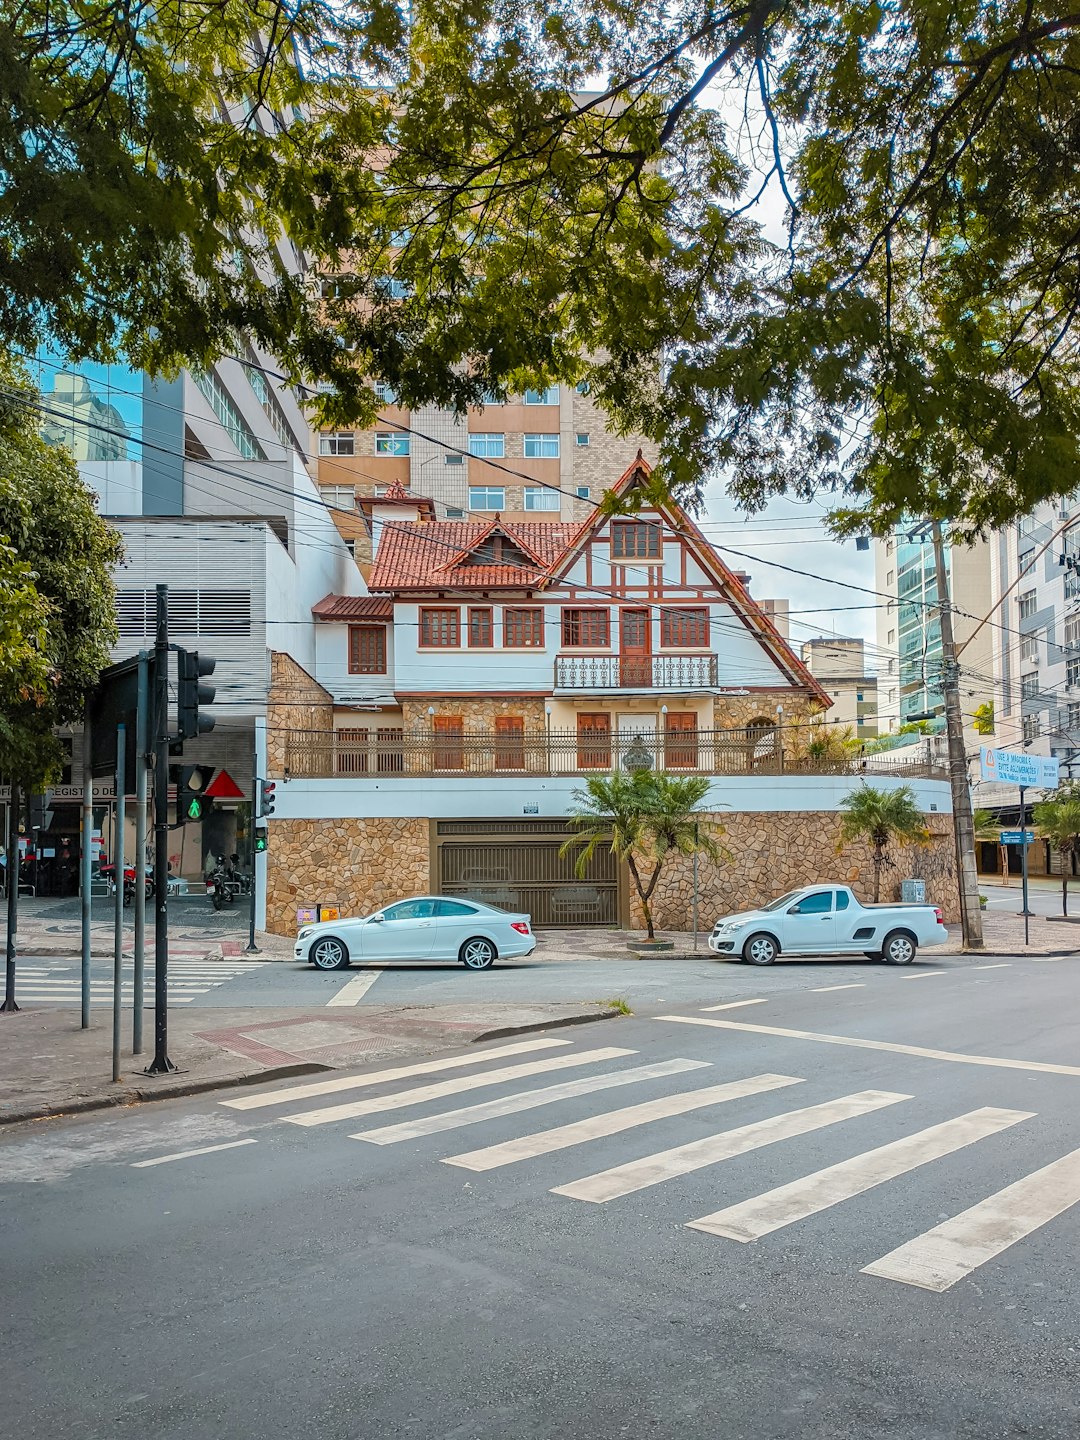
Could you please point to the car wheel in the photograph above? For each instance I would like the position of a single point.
(329, 953)
(760, 950)
(899, 948)
(477, 954)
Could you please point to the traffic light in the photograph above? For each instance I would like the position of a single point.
(192, 802)
(191, 696)
(260, 841)
(266, 797)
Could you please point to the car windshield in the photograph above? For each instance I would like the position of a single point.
(783, 900)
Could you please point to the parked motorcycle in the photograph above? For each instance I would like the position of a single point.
(108, 873)
(220, 886)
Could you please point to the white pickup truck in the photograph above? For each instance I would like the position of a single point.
(828, 920)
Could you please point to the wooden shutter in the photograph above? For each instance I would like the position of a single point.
(680, 741)
(509, 742)
(449, 742)
(594, 741)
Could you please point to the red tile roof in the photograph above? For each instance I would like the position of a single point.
(354, 607)
(416, 555)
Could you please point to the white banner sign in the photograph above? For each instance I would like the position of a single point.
(1015, 767)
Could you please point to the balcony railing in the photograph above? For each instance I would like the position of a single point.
(387, 754)
(649, 672)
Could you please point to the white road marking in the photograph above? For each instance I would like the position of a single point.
(382, 1077)
(734, 1004)
(421, 1094)
(924, 975)
(525, 1100)
(682, 1159)
(544, 1142)
(188, 1154)
(1004, 965)
(354, 990)
(1045, 959)
(1040, 1067)
(939, 1258)
(774, 1209)
(851, 985)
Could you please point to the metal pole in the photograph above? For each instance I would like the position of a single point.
(252, 948)
(695, 911)
(161, 1064)
(142, 730)
(1025, 911)
(963, 822)
(118, 907)
(86, 862)
(9, 1007)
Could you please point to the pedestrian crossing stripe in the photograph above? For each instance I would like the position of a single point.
(682, 1159)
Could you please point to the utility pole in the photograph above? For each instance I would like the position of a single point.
(142, 736)
(86, 867)
(963, 821)
(161, 1064)
(14, 804)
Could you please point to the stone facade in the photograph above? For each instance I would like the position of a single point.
(356, 864)
(479, 715)
(735, 711)
(773, 852)
(295, 702)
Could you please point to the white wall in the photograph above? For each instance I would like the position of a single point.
(506, 796)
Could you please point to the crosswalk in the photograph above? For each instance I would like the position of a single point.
(60, 984)
(934, 1260)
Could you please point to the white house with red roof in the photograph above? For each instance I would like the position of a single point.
(493, 666)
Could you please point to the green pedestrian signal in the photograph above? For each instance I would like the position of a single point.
(194, 809)
(260, 842)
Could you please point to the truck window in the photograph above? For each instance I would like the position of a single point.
(841, 900)
(817, 904)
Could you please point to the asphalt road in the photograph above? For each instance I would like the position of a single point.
(319, 1271)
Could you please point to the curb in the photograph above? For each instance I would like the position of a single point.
(558, 1024)
(173, 1091)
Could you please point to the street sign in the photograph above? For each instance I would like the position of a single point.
(1017, 837)
(1014, 767)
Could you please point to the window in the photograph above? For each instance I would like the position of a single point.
(635, 540)
(583, 387)
(454, 908)
(1027, 560)
(450, 459)
(1072, 633)
(449, 742)
(1072, 671)
(487, 447)
(859, 696)
(582, 439)
(841, 899)
(491, 397)
(1029, 647)
(583, 492)
(1072, 717)
(487, 497)
(523, 628)
(391, 289)
(440, 627)
(385, 394)
(541, 447)
(391, 444)
(1031, 727)
(818, 904)
(684, 628)
(480, 628)
(586, 627)
(680, 741)
(350, 546)
(367, 649)
(890, 578)
(538, 498)
(454, 513)
(339, 497)
(892, 637)
(594, 742)
(509, 742)
(1029, 686)
(550, 396)
(1026, 604)
(339, 442)
(410, 910)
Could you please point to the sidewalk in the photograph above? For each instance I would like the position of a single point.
(64, 939)
(50, 1066)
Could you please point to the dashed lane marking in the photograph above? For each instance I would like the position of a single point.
(189, 1154)
(851, 985)
(353, 991)
(735, 1004)
(924, 975)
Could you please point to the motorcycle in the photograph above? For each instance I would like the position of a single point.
(108, 873)
(220, 886)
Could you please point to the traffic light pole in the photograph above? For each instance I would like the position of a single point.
(252, 948)
(161, 1064)
(14, 802)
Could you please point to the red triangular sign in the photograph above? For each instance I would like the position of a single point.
(224, 787)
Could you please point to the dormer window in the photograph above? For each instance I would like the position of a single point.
(498, 550)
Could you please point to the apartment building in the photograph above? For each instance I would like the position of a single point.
(840, 666)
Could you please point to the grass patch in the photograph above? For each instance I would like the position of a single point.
(618, 1003)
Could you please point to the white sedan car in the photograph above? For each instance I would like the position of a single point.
(431, 927)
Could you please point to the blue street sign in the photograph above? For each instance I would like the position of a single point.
(1015, 767)
(1017, 837)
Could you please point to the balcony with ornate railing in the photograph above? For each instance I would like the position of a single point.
(625, 672)
(399, 753)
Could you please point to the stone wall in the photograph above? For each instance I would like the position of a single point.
(356, 864)
(731, 711)
(296, 702)
(771, 853)
(478, 715)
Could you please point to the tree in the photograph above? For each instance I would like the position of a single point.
(983, 718)
(643, 817)
(57, 598)
(1058, 821)
(910, 346)
(883, 818)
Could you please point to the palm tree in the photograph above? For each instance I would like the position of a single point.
(1059, 822)
(882, 817)
(644, 818)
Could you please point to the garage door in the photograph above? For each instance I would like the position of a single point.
(515, 864)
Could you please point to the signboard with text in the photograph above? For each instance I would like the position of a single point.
(1017, 837)
(1015, 767)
